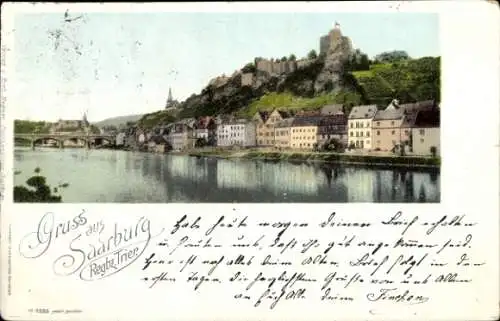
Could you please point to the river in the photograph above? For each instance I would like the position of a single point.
(133, 177)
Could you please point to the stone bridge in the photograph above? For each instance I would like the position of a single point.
(88, 139)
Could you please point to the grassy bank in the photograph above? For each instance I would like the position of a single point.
(373, 160)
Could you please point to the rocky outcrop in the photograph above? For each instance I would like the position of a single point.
(329, 78)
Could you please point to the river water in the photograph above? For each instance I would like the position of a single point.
(133, 177)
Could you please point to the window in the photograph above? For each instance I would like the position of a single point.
(378, 123)
(351, 134)
(361, 134)
(406, 133)
(394, 132)
(367, 134)
(357, 134)
(392, 123)
(421, 140)
(367, 124)
(378, 132)
(361, 125)
(422, 132)
(352, 125)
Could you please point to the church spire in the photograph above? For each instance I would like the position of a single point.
(170, 98)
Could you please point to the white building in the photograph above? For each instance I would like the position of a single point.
(236, 133)
(360, 126)
(120, 139)
(181, 137)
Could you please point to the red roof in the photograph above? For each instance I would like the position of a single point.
(203, 122)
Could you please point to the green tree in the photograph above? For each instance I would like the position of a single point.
(37, 191)
(283, 59)
(292, 57)
(201, 142)
(249, 68)
(312, 54)
(334, 145)
(28, 127)
(392, 56)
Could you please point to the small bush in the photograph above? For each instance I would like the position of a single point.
(41, 192)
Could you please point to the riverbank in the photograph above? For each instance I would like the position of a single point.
(377, 160)
(326, 157)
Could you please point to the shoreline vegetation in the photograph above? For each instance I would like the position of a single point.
(321, 157)
(36, 190)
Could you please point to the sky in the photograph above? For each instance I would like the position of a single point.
(115, 64)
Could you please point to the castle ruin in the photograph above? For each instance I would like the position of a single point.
(333, 39)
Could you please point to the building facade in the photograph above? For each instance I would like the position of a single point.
(360, 126)
(304, 132)
(392, 127)
(282, 133)
(260, 119)
(181, 137)
(426, 134)
(332, 127)
(236, 133)
(265, 128)
(386, 129)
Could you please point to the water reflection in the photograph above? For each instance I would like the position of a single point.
(116, 176)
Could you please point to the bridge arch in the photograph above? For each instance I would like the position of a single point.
(75, 138)
(40, 139)
(110, 140)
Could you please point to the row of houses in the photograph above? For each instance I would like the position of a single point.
(413, 128)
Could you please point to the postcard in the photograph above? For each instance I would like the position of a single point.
(250, 161)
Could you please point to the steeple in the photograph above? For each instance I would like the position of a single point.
(170, 98)
(85, 121)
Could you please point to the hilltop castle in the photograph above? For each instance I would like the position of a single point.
(327, 44)
(332, 45)
(334, 38)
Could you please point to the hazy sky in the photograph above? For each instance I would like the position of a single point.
(119, 64)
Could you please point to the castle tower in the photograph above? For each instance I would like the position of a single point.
(335, 35)
(330, 40)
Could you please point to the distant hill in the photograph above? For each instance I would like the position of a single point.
(117, 121)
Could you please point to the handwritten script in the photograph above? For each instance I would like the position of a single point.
(263, 263)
